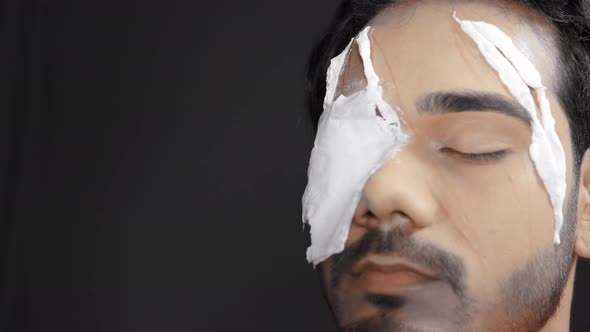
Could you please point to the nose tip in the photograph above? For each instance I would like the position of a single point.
(398, 195)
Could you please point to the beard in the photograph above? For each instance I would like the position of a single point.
(528, 297)
(445, 265)
(532, 293)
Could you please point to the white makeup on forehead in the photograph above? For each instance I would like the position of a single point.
(519, 76)
(352, 142)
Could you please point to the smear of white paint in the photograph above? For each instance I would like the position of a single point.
(352, 143)
(519, 75)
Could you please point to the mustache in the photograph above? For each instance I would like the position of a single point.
(446, 265)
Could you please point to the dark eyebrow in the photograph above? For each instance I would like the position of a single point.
(471, 101)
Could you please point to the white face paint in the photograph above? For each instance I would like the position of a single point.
(353, 141)
(519, 75)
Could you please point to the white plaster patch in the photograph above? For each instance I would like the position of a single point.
(351, 144)
(519, 75)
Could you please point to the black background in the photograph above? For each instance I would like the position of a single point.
(153, 157)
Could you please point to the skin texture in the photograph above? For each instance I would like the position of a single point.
(480, 226)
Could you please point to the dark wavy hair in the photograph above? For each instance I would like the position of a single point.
(570, 18)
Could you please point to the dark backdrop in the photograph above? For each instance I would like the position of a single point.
(153, 155)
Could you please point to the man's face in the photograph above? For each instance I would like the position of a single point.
(456, 231)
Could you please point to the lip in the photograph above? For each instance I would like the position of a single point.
(382, 274)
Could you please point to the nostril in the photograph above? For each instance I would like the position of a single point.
(400, 214)
(363, 217)
(369, 219)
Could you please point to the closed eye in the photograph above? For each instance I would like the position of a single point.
(486, 157)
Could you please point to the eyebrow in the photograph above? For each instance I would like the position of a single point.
(471, 101)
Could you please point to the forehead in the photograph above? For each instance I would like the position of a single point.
(418, 48)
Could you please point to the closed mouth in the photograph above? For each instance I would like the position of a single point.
(387, 274)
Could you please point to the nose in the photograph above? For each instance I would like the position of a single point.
(400, 194)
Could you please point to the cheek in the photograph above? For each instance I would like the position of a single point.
(499, 215)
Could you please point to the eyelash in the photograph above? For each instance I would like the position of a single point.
(478, 157)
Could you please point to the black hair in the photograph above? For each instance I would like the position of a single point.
(571, 20)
